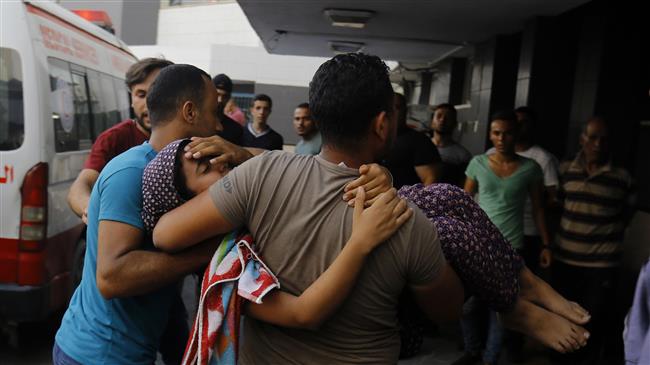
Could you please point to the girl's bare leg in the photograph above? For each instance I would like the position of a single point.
(539, 292)
(550, 329)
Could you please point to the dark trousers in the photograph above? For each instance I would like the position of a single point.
(174, 339)
(475, 314)
(595, 290)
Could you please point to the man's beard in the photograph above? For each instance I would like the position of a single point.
(140, 121)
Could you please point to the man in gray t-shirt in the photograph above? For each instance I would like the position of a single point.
(292, 205)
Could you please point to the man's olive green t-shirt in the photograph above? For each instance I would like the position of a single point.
(293, 207)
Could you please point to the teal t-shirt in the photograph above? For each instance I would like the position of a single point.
(95, 330)
(503, 199)
(309, 147)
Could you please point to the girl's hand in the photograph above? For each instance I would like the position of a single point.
(374, 179)
(374, 225)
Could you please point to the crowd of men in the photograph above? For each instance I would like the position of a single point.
(121, 312)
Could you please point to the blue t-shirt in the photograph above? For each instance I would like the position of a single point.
(123, 330)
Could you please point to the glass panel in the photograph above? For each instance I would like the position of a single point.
(82, 111)
(62, 102)
(97, 103)
(12, 121)
(108, 93)
(123, 99)
(244, 101)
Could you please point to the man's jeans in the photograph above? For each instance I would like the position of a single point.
(61, 358)
(474, 315)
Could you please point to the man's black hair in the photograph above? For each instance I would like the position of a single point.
(528, 111)
(345, 94)
(506, 115)
(447, 106)
(173, 86)
(223, 82)
(263, 97)
(303, 106)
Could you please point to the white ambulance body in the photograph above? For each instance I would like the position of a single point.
(61, 85)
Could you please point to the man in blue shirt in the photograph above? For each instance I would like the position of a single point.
(119, 310)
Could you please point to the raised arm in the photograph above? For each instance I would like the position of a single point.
(375, 179)
(79, 193)
(224, 151)
(371, 227)
(470, 185)
(191, 223)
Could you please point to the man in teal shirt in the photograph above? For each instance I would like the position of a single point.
(503, 180)
(310, 139)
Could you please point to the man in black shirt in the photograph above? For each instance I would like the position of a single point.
(413, 158)
(257, 133)
(232, 131)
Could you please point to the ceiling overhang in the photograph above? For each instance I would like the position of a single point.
(414, 31)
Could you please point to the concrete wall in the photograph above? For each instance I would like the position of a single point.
(135, 22)
(285, 99)
(140, 22)
(205, 25)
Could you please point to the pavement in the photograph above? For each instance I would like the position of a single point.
(441, 348)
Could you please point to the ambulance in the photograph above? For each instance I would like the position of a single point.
(61, 85)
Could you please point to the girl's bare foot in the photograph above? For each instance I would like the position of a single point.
(547, 327)
(539, 292)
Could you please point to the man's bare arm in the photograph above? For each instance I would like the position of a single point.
(255, 151)
(124, 269)
(189, 224)
(470, 186)
(80, 190)
(220, 149)
(428, 174)
(539, 215)
(446, 285)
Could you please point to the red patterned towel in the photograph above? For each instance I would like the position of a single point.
(235, 272)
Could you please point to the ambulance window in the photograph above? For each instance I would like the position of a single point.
(12, 128)
(123, 98)
(97, 103)
(108, 93)
(62, 103)
(82, 111)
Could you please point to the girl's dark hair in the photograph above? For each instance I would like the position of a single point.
(179, 178)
